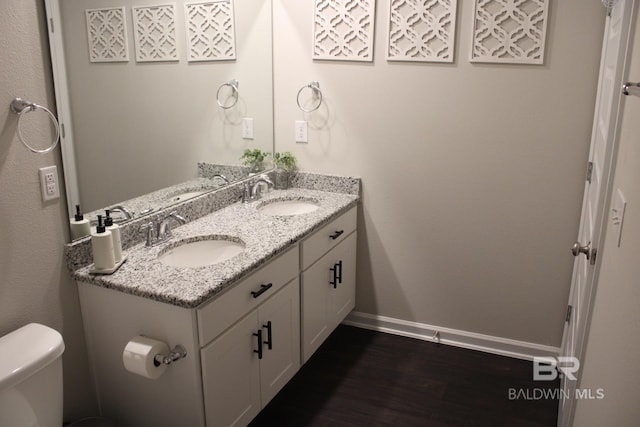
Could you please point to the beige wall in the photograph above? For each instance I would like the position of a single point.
(472, 173)
(611, 358)
(139, 127)
(34, 285)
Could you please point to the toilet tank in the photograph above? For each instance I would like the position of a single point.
(31, 377)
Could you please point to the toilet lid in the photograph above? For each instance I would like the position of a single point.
(27, 350)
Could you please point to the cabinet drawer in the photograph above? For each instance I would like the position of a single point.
(320, 242)
(216, 316)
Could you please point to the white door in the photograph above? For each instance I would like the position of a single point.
(591, 235)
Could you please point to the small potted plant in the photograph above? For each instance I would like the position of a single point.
(285, 163)
(254, 159)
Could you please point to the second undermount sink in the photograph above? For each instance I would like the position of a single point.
(285, 207)
(201, 251)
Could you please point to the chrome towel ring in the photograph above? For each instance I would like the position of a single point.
(317, 94)
(21, 107)
(233, 84)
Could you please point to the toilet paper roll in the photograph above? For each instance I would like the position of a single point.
(138, 356)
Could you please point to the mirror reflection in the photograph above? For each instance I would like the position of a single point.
(166, 111)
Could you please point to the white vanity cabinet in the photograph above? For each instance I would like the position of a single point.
(328, 280)
(245, 366)
(242, 345)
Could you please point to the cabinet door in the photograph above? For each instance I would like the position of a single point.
(231, 375)
(280, 321)
(315, 303)
(342, 298)
(326, 299)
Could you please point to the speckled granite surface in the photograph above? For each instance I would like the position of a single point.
(231, 172)
(161, 199)
(78, 253)
(322, 182)
(265, 237)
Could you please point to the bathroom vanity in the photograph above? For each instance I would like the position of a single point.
(247, 324)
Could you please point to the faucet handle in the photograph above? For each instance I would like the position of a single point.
(149, 229)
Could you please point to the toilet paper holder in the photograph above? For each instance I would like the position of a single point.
(176, 354)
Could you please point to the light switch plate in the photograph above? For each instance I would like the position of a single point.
(49, 183)
(247, 128)
(301, 131)
(618, 207)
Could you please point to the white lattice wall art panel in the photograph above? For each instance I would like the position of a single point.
(343, 30)
(422, 30)
(155, 33)
(107, 35)
(210, 31)
(510, 31)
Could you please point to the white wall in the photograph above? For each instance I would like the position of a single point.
(611, 358)
(34, 284)
(142, 126)
(472, 173)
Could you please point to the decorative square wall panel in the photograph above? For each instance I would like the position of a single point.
(155, 33)
(422, 30)
(107, 35)
(210, 31)
(343, 30)
(509, 31)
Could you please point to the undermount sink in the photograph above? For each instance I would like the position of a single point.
(199, 253)
(280, 207)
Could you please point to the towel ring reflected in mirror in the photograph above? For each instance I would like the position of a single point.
(21, 107)
(233, 84)
(317, 95)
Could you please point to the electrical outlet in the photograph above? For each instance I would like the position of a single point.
(247, 128)
(301, 131)
(49, 183)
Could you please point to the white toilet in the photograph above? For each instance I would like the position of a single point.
(31, 377)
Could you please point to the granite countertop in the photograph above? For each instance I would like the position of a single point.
(265, 237)
(159, 199)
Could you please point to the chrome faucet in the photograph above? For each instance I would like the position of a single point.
(253, 191)
(164, 232)
(119, 208)
(156, 234)
(219, 175)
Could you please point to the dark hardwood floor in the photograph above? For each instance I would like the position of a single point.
(365, 378)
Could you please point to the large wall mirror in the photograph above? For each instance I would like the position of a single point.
(149, 90)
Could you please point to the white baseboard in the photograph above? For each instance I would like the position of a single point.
(487, 343)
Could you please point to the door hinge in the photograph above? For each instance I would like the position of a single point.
(51, 24)
(569, 311)
(589, 171)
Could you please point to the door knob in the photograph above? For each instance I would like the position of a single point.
(576, 249)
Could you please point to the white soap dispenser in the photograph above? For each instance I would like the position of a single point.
(115, 236)
(102, 247)
(79, 225)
